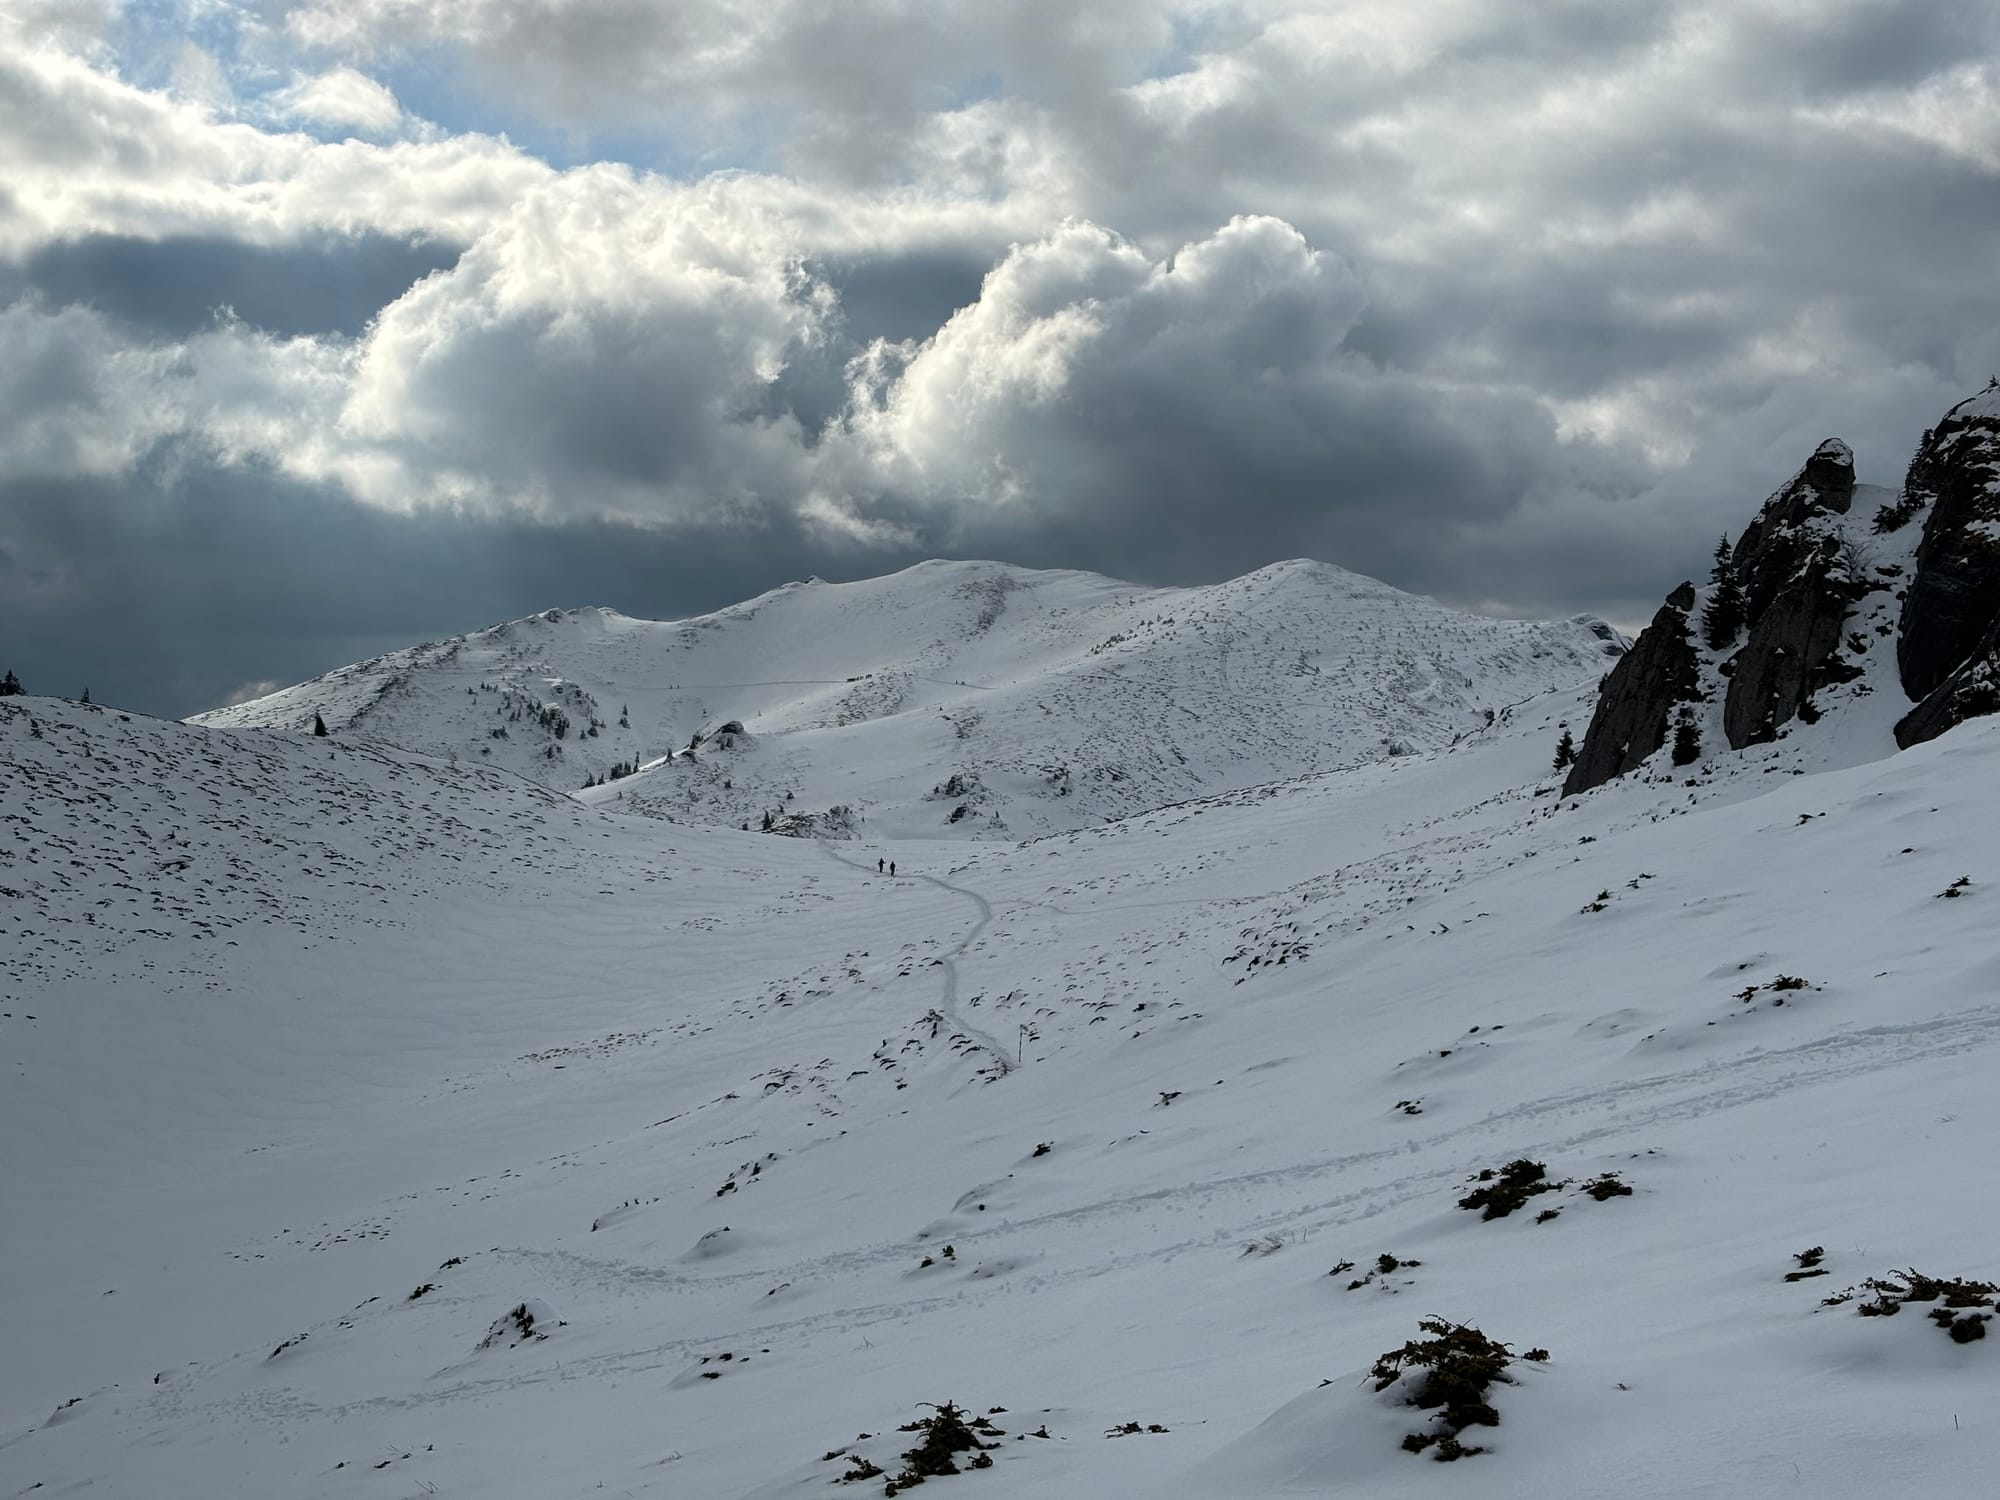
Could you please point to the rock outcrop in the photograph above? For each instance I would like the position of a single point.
(1799, 582)
(1781, 622)
(1969, 693)
(1638, 697)
(1948, 649)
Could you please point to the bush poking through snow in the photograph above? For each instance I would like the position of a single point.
(1964, 1307)
(1809, 1264)
(945, 1433)
(1782, 983)
(1509, 1188)
(1607, 1187)
(1458, 1366)
(1385, 1266)
(527, 1322)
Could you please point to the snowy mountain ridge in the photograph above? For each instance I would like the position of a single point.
(953, 699)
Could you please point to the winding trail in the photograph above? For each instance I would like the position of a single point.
(948, 1002)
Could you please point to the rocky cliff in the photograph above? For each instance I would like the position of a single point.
(1789, 583)
(1782, 620)
(1799, 579)
(1637, 699)
(1948, 649)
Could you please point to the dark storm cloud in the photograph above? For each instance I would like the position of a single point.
(904, 296)
(175, 286)
(1865, 44)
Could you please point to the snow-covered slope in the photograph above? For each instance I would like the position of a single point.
(955, 699)
(377, 1125)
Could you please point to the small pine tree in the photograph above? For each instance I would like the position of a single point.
(86, 695)
(1687, 738)
(10, 687)
(1565, 750)
(319, 727)
(1723, 615)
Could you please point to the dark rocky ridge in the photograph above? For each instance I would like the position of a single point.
(1799, 583)
(1800, 575)
(1948, 648)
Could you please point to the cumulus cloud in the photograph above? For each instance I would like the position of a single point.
(341, 97)
(607, 349)
(1081, 355)
(84, 152)
(847, 86)
(1175, 415)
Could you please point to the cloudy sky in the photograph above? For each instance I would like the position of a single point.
(329, 325)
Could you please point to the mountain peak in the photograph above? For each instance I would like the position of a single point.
(955, 698)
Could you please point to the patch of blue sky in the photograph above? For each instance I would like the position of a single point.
(148, 37)
(433, 85)
(975, 89)
(1194, 34)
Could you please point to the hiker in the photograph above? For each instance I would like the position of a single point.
(878, 867)
(892, 867)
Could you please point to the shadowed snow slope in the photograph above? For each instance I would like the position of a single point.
(378, 1125)
(960, 699)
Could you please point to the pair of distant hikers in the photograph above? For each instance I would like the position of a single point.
(878, 867)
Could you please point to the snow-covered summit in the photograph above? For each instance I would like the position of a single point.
(954, 698)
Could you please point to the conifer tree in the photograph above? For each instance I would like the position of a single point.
(86, 695)
(1687, 738)
(10, 687)
(319, 727)
(1723, 615)
(1565, 750)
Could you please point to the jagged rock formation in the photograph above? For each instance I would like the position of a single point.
(1799, 584)
(1638, 697)
(1948, 649)
(1794, 580)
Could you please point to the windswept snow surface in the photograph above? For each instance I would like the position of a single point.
(959, 699)
(378, 1126)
